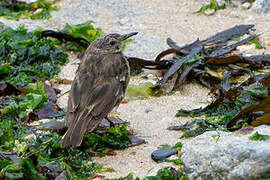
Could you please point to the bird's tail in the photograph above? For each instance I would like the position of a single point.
(76, 130)
(82, 123)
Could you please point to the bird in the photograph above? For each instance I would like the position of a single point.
(99, 86)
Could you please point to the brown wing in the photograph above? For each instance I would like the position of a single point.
(95, 91)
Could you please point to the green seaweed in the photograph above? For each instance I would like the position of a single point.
(115, 138)
(257, 43)
(36, 11)
(143, 91)
(17, 108)
(130, 176)
(218, 116)
(25, 55)
(163, 174)
(20, 170)
(212, 5)
(6, 135)
(259, 137)
(85, 30)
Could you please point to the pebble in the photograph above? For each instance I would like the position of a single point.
(209, 12)
(135, 141)
(147, 110)
(123, 162)
(162, 154)
(245, 48)
(246, 5)
(62, 176)
(267, 42)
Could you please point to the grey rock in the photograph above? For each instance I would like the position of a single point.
(135, 141)
(53, 169)
(62, 176)
(162, 154)
(47, 124)
(261, 6)
(147, 110)
(218, 154)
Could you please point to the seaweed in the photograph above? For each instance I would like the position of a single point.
(143, 91)
(212, 5)
(259, 137)
(26, 56)
(37, 10)
(162, 174)
(115, 138)
(84, 32)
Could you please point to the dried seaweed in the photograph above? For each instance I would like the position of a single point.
(229, 34)
(263, 59)
(235, 102)
(263, 107)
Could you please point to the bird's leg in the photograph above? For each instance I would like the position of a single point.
(110, 121)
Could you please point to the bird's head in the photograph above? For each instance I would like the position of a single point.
(110, 43)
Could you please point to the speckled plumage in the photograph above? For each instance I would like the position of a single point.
(99, 86)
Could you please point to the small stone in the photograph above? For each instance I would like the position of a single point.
(104, 123)
(245, 48)
(162, 154)
(267, 42)
(48, 110)
(175, 128)
(62, 176)
(246, 130)
(144, 76)
(46, 124)
(53, 169)
(135, 141)
(246, 5)
(123, 162)
(147, 110)
(124, 21)
(209, 12)
(124, 101)
(116, 121)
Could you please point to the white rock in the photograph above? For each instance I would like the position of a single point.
(261, 6)
(150, 75)
(246, 5)
(215, 155)
(246, 48)
(209, 12)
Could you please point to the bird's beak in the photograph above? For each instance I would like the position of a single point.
(126, 36)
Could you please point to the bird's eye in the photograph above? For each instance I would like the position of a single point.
(112, 42)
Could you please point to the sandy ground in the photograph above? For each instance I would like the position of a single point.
(155, 20)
